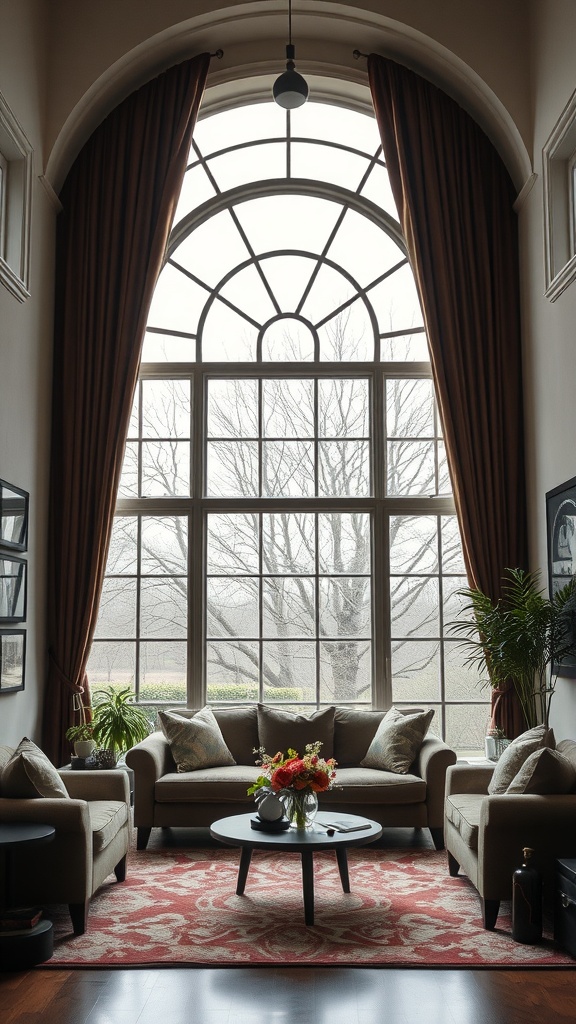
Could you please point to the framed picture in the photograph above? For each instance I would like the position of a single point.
(561, 528)
(12, 660)
(12, 589)
(13, 517)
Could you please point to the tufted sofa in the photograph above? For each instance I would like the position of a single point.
(165, 797)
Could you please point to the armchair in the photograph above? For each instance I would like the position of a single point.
(91, 841)
(484, 834)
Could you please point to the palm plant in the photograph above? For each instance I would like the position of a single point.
(118, 723)
(523, 637)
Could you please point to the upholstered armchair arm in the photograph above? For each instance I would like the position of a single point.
(468, 778)
(105, 784)
(508, 822)
(150, 760)
(433, 761)
(64, 815)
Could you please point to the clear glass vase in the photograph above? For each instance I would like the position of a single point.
(301, 808)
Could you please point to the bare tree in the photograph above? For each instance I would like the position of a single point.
(294, 583)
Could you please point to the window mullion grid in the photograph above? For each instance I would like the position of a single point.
(260, 546)
(138, 643)
(197, 531)
(381, 644)
(441, 662)
(318, 653)
(260, 610)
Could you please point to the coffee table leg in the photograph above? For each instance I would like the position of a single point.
(308, 886)
(245, 858)
(342, 858)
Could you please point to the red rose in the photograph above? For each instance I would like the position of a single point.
(281, 778)
(320, 782)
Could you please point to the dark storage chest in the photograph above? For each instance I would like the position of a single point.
(565, 905)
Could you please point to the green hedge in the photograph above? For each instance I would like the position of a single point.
(174, 693)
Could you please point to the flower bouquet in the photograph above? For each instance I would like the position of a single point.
(296, 779)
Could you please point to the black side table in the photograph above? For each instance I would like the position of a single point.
(22, 947)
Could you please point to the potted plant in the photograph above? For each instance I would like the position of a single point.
(82, 736)
(524, 637)
(118, 723)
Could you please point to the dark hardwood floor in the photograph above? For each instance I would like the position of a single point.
(288, 995)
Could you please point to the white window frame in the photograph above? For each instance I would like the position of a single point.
(559, 162)
(15, 214)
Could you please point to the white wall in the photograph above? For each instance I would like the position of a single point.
(549, 327)
(25, 351)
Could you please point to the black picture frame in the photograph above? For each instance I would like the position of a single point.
(561, 532)
(12, 660)
(13, 588)
(13, 517)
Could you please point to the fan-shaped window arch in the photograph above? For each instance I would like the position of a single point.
(285, 529)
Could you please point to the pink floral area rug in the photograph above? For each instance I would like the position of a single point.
(179, 907)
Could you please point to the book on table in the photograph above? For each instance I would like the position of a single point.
(13, 919)
(348, 826)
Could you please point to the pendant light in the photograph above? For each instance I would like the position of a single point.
(290, 90)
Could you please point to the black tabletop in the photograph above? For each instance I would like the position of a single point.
(12, 833)
(236, 831)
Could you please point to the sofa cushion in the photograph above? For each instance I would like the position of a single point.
(195, 742)
(568, 749)
(353, 733)
(240, 731)
(463, 812)
(280, 730)
(398, 739)
(511, 761)
(106, 819)
(208, 785)
(545, 771)
(29, 773)
(369, 786)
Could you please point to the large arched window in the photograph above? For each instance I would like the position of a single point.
(285, 529)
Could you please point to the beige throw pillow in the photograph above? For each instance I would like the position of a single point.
(195, 742)
(29, 773)
(397, 742)
(511, 761)
(545, 771)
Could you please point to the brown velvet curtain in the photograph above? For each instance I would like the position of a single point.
(118, 204)
(455, 200)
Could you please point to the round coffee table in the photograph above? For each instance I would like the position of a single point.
(236, 831)
(22, 947)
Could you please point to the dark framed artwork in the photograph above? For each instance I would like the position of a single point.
(13, 582)
(13, 517)
(561, 528)
(12, 660)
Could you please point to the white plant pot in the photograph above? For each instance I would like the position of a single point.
(494, 747)
(83, 748)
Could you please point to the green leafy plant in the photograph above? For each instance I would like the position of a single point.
(524, 637)
(83, 731)
(118, 723)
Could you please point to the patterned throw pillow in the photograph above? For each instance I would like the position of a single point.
(397, 742)
(29, 773)
(545, 772)
(195, 742)
(511, 761)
